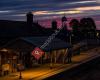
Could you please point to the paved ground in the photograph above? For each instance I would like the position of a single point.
(45, 71)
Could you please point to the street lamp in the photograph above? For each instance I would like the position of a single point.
(20, 69)
(20, 66)
(20, 77)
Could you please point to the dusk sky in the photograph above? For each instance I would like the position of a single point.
(49, 9)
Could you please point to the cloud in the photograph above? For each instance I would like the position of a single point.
(8, 11)
(14, 9)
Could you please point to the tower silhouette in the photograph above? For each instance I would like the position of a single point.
(64, 19)
(54, 24)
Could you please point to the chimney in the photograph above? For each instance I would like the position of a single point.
(29, 18)
(54, 24)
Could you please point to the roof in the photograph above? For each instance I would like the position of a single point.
(18, 29)
(38, 41)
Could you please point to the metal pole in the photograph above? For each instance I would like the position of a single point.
(70, 39)
(12, 64)
(0, 59)
(55, 56)
(20, 77)
(64, 56)
(51, 62)
(41, 59)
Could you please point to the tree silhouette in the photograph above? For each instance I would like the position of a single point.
(74, 23)
(88, 27)
(91, 24)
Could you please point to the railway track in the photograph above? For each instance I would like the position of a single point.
(85, 71)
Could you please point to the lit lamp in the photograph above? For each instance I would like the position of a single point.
(4, 50)
(97, 34)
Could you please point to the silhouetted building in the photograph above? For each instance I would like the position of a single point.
(88, 27)
(54, 25)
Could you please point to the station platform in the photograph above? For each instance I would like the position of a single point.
(44, 71)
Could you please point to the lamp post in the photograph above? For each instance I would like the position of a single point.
(20, 66)
(51, 64)
(70, 39)
(20, 77)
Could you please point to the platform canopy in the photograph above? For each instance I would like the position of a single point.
(29, 43)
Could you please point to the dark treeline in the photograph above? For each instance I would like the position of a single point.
(83, 29)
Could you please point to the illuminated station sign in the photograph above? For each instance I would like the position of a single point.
(37, 53)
